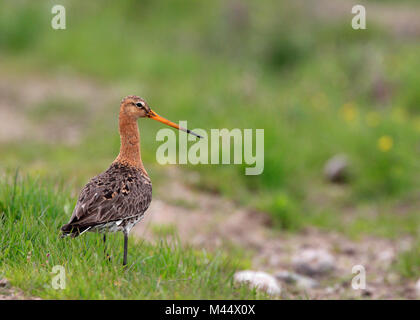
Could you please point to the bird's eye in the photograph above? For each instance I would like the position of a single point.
(140, 104)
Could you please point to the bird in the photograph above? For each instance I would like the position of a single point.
(117, 199)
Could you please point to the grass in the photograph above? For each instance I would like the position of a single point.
(408, 262)
(32, 211)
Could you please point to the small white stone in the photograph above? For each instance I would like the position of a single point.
(418, 288)
(335, 169)
(313, 262)
(329, 290)
(386, 256)
(260, 280)
(4, 283)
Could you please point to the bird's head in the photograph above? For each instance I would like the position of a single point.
(136, 107)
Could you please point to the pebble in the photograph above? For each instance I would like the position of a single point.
(312, 262)
(260, 280)
(4, 283)
(386, 256)
(301, 282)
(335, 170)
(418, 289)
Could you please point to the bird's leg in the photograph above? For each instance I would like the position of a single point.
(125, 247)
(108, 257)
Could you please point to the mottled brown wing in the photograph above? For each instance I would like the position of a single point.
(118, 193)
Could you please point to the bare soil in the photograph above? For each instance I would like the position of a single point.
(7, 292)
(211, 222)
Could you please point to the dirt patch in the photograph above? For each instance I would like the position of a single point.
(7, 292)
(209, 221)
(20, 96)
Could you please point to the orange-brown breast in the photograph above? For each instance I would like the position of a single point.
(130, 154)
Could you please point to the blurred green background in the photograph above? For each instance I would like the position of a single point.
(293, 68)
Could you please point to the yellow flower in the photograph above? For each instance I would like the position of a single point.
(372, 119)
(349, 112)
(385, 143)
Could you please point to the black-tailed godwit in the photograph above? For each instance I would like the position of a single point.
(117, 199)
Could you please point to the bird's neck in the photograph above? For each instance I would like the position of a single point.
(130, 143)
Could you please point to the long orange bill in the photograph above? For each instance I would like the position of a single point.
(153, 115)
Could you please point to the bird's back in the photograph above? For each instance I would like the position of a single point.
(114, 200)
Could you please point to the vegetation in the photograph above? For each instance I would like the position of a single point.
(31, 214)
(316, 87)
(331, 90)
